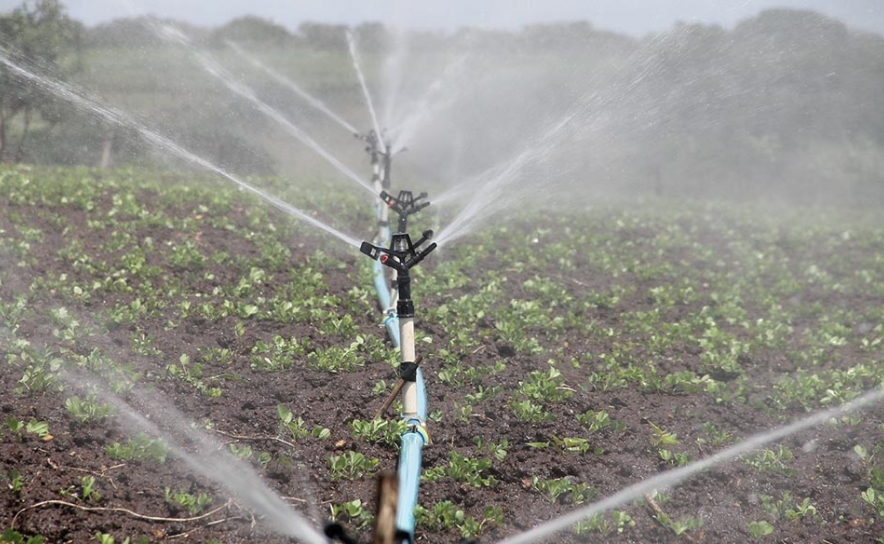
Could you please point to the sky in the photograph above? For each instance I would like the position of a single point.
(634, 17)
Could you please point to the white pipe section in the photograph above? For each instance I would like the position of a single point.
(406, 345)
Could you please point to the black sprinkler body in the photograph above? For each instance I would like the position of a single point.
(401, 256)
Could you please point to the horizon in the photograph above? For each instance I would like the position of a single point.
(631, 17)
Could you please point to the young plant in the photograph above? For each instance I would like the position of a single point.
(662, 437)
(88, 410)
(15, 481)
(351, 465)
(11, 536)
(139, 448)
(88, 492)
(758, 529)
(193, 504)
(618, 521)
(681, 525)
(353, 513)
(771, 460)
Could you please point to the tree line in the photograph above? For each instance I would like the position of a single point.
(789, 97)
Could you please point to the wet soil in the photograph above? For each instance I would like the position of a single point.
(132, 503)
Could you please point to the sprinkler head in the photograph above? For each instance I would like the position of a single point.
(403, 252)
(405, 204)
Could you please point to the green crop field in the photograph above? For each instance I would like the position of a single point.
(568, 354)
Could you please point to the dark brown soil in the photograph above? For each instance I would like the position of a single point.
(726, 498)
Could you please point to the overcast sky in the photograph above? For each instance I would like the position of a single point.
(634, 17)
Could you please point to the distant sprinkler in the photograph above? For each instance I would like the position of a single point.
(406, 204)
(379, 148)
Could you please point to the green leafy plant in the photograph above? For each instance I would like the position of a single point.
(617, 521)
(88, 410)
(139, 448)
(662, 437)
(192, 504)
(559, 488)
(773, 460)
(11, 536)
(14, 480)
(758, 529)
(681, 525)
(352, 512)
(351, 465)
(88, 492)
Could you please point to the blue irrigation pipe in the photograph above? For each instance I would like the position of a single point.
(413, 440)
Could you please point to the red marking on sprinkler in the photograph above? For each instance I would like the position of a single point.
(384, 258)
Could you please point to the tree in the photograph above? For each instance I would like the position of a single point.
(37, 33)
(251, 29)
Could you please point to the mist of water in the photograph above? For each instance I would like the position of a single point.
(437, 97)
(213, 67)
(83, 101)
(351, 43)
(493, 190)
(211, 460)
(582, 131)
(679, 475)
(292, 86)
(394, 63)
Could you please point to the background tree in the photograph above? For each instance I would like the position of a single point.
(38, 33)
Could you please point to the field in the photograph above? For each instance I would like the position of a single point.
(568, 354)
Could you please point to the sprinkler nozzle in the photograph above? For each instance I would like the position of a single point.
(370, 250)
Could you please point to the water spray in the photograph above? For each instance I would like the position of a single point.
(291, 85)
(351, 43)
(116, 117)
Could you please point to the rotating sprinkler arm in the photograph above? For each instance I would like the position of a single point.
(402, 254)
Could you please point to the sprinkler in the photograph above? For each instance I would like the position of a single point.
(372, 147)
(402, 256)
(405, 204)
